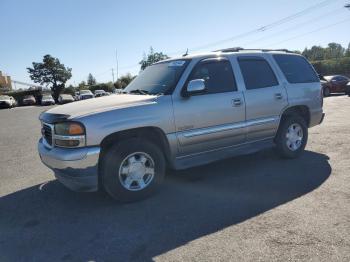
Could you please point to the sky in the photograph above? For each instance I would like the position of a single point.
(85, 35)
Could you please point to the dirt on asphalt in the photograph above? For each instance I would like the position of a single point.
(256, 207)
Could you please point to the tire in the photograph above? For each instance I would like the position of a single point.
(326, 92)
(286, 147)
(135, 156)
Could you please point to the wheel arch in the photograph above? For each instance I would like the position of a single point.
(153, 134)
(300, 110)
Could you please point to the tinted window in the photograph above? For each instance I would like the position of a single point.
(256, 72)
(296, 69)
(218, 76)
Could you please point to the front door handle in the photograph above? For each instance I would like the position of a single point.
(278, 96)
(236, 102)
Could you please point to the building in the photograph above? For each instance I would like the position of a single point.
(5, 82)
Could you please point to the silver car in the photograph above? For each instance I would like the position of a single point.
(181, 113)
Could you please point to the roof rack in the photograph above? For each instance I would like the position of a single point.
(237, 49)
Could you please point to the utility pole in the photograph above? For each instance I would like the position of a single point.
(116, 58)
(113, 74)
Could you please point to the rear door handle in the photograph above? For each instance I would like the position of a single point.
(278, 96)
(236, 102)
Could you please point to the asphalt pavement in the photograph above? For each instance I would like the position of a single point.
(256, 207)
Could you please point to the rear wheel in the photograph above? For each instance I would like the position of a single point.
(326, 92)
(291, 137)
(133, 170)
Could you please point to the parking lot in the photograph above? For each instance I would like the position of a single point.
(249, 208)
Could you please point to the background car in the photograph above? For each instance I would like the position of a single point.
(7, 101)
(334, 84)
(65, 98)
(85, 94)
(29, 100)
(99, 93)
(347, 90)
(47, 100)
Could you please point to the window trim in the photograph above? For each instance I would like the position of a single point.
(209, 60)
(257, 58)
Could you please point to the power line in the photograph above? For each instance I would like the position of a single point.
(309, 32)
(245, 34)
(257, 30)
(313, 20)
(263, 28)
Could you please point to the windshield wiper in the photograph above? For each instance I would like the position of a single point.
(139, 91)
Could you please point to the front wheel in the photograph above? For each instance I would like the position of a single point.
(291, 137)
(132, 170)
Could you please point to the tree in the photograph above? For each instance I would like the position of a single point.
(82, 85)
(50, 73)
(152, 58)
(91, 80)
(334, 50)
(123, 81)
(347, 53)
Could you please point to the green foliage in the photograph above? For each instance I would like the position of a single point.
(91, 80)
(123, 81)
(82, 86)
(333, 50)
(333, 66)
(152, 58)
(50, 73)
(331, 60)
(69, 90)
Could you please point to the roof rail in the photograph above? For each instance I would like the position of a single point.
(237, 49)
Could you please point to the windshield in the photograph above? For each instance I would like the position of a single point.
(159, 78)
(66, 96)
(4, 97)
(85, 92)
(47, 97)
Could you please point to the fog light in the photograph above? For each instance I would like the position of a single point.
(67, 143)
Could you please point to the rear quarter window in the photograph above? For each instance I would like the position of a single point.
(296, 69)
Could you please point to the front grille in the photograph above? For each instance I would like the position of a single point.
(47, 133)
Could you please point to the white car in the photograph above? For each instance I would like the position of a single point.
(7, 101)
(47, 100)
(99, 93)
(85, 94)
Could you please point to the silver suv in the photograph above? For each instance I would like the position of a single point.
(181, 113)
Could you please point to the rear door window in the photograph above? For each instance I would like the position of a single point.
(296, 69)
(257, 73)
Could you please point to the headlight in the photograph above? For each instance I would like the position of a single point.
(69, 134)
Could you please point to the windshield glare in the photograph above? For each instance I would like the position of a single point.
(159, 78)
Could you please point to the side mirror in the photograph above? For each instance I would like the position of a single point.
(196, 86)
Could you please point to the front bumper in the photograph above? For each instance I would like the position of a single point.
(76, 168)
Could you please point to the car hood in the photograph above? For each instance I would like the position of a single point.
(5, 100)
(91, 106)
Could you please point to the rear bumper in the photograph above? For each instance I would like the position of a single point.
(76, 168)
(316, 117)
(323, 114)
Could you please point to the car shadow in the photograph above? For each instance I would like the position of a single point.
(50, 223)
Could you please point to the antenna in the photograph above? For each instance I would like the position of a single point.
(185, 54)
